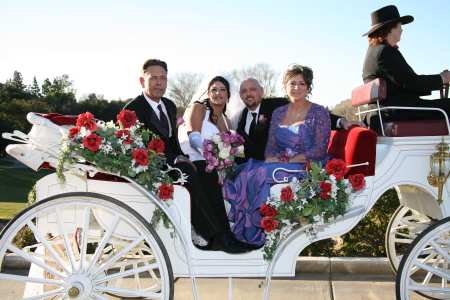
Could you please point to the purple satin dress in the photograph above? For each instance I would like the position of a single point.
(250, 188)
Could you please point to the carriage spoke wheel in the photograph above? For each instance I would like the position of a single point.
(424, 268)
(405, 225)
(79, 259)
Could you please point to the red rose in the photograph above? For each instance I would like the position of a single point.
(123, 132)
(269, 224)
(336, 167)
(140, 156)
(267, 210)
(92, 142)
(165, 191)
(74, 131)
(127, 118)
(326, 189)
(156, 145)
(286, 194)
(86, 121)
(357, 181)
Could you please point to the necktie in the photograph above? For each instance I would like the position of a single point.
(251, 132)
(163, 119)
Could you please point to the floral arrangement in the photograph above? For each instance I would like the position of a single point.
(126, 149)
(179, 121)
(221, 150)
(321, 194)
(286, 155)
(262, 119)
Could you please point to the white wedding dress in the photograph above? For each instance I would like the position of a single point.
(208, 130)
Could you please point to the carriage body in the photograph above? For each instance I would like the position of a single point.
(399, 162)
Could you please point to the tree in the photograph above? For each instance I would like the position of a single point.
(61, 102)
(182, 87)
(346, 110)
(63, 84)
(35, 90)
(46, 87)
(17, 82)
(263, 72)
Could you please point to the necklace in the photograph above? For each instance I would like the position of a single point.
(292, 112)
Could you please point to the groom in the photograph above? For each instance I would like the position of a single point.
(258, 112)
(209, 216)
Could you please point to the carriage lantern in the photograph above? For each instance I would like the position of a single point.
(440, 168)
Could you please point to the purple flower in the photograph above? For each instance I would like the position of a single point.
(232, 139)
(221, 166)
(226, 144)
(213, 161)
(234, 151)
(261, 119)
(209, 168)
(226, 137)
(214, 151)
(179, 120)
(207, 155)
(228, 162)
(208, 147)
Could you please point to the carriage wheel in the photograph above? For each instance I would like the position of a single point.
(405, 225)
(84, 260)
(424, 268)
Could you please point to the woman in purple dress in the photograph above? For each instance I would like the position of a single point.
(299, 133)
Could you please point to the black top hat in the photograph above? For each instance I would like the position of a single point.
(385, 16)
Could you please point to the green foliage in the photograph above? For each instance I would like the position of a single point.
(367, 238)
(24, 238)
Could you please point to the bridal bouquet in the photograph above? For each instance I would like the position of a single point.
(126, 149)
(321, 194)
(221, 150)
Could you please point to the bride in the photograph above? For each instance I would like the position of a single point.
(215, 107)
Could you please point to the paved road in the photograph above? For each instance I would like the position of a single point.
(319, 286)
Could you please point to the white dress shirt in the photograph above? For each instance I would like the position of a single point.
(154, 105)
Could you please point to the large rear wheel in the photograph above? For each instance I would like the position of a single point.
(77, 258)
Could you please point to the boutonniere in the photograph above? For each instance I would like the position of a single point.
(179, 121)
(262, 119)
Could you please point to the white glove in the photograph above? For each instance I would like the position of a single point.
(195, 141)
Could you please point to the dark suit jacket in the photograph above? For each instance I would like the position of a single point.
(403, 85)
(255, 148)
(147, 116)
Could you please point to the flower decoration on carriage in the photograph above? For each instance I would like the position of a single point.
(319, 195)
(123, 148)
(221, 150)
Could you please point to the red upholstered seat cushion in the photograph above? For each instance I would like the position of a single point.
(415, 128)
(59, 119)
(356, 145)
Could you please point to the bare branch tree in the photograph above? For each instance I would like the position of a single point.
(182, 87)
(263, 72)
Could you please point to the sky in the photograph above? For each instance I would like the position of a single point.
(101, 45)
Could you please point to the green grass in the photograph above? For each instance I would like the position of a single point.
(5, 162)
(15, 183)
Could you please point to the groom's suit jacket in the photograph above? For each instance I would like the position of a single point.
(254, 148)
(146, 115)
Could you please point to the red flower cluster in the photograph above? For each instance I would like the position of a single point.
(92, 142)
(157, 145)
(357, 181)
(125, 132)
(127, 118)
(86, 120)
(267, 210)
(165, 191)
(287, 194)
(140, 156)
(336, 167)
(326, 189)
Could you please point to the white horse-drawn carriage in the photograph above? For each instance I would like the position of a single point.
(95, 240)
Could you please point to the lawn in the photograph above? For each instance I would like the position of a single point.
(15, 183)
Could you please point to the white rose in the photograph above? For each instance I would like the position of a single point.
(241, 148)
(224, 153)
(216, 139)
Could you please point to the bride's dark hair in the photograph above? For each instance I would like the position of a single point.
(213, 118)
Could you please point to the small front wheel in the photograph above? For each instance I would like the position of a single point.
(77, 258)
(424, 268)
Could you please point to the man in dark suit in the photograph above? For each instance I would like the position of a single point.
(209, 216)
(256, 135)
(403, 86)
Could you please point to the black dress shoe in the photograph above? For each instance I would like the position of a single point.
(227, 243)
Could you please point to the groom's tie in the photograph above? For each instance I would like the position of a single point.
(163, 119)
(251, 132)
